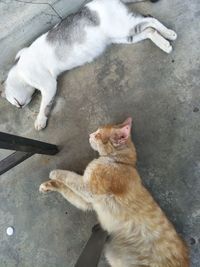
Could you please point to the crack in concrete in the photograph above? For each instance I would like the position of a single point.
(50, 15)
(40, 3)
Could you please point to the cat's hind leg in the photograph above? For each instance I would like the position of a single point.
(74, 199)
(148, 33)
(151, 22)
(132, 39)
(159, 40)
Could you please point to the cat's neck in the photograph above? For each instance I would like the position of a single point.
(126, 156)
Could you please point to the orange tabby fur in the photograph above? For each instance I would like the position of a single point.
(140, 233)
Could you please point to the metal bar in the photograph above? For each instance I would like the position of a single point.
(13, 160)
(13, 142)
(93, 249)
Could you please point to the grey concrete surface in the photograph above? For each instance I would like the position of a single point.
(24, 20)
(160, 92)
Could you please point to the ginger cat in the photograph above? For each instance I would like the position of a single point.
(140, 233)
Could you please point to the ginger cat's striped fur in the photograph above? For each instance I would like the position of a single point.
(140, 233)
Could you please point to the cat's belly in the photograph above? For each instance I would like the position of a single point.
(125, 245)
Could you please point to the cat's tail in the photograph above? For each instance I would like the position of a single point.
(137, 1)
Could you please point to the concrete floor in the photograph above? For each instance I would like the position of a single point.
(160, 92)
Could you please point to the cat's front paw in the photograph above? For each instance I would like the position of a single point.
(40, 123)
(45, 187)
(49, 186)
(59, 175)
(53, 174)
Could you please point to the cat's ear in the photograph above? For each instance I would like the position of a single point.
(121, 135)
(127, 122)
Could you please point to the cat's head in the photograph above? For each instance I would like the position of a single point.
(112, 139)
(16, 91)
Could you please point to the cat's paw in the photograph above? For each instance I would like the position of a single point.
(40, 123)
(50, 186)
(45, 187)
(168, 48)
(171, 35)
(53, 174)
(164, 44)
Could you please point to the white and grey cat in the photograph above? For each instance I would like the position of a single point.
(76, 40)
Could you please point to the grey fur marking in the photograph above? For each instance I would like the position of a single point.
(138, 28)
(16, 61)
(48, 108)
(72, 28)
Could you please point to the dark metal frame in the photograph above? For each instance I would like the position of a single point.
(24, 148)
(93, 249)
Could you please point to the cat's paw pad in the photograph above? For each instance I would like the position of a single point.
(40, 123)
(172, 35)
(45, 187)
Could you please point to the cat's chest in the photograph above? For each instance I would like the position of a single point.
(89, 171)
(93, 167)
